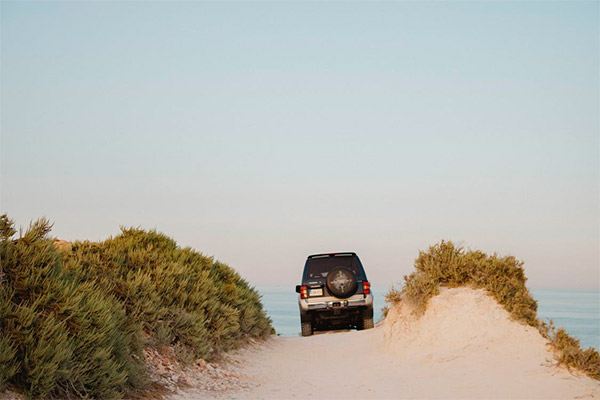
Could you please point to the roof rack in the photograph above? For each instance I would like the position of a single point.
(342, 254)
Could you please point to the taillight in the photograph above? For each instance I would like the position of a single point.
(366, 287)
(303, 292)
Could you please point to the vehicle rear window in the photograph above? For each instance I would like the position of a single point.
(319, 267)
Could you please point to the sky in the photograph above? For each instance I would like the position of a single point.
(261, 132)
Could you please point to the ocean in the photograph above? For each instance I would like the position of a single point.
(575, 310)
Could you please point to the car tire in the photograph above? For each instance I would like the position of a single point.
(367, 323)
(307, 329)
(341, 282)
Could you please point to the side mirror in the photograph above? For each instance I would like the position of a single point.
(298, 288)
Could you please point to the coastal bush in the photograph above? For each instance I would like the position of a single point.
(569, 351)
(445, 264)
(74, 321)
(59, 336)
(177, 296)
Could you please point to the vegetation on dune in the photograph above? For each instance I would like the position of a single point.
(74, 321)
(445, 264)
(569, 351)
(450, 266)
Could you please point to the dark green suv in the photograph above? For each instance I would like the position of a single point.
(335, 294)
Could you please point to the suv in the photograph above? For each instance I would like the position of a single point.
(335, 293)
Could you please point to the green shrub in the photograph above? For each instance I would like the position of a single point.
(59, 336)
(73, 322)
(176, 295)
(504, 279)
(569, 351)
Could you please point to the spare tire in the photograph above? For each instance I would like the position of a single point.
(341, 282)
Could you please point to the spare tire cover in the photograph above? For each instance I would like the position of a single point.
(341, 282)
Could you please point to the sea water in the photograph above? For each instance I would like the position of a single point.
(576, 311)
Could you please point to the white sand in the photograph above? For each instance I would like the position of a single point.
(464, 347)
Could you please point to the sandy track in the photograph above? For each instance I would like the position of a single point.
(387, 363)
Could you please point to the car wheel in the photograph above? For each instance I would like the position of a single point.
(307, 328)
(367, 323)
(341, 282)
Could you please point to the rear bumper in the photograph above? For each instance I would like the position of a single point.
(331, 303)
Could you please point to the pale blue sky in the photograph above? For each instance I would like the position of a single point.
(260, 132)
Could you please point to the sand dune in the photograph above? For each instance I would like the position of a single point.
(464, 347)
(461, 323)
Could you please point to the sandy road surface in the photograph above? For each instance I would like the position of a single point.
(391, 362)
(355, 365)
